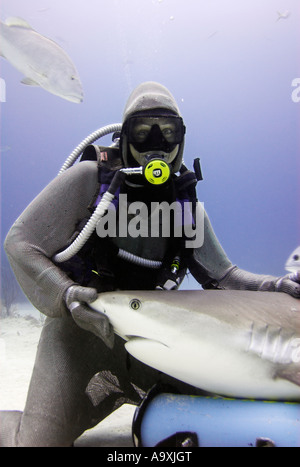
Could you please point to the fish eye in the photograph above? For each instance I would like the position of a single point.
(73, 78)
(135, 304)
(295, 257)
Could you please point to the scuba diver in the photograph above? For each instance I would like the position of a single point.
(82, 372)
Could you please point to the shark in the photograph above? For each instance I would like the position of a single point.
(293, 262)
(234, 343)
(42, 61)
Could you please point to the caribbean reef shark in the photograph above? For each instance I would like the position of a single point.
(233, 343)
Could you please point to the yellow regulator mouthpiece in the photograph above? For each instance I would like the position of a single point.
(157, 172)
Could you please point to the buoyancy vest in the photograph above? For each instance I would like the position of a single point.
(86, 265)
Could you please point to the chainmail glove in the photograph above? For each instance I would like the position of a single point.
(239, 279)
(289, 284)
(77, 299)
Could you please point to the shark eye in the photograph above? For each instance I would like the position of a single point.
(135, 304)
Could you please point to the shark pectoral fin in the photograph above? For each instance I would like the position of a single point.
(145, 349)
(290, 373)
(38, 72)
(29, 82)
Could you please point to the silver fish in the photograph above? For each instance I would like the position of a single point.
(293, 262)
(284, 15)
(43, 62)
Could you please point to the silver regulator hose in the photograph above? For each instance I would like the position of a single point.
(89, 140)
(102, 207)
(90, 226)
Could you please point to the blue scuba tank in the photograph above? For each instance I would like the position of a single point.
(167, 420)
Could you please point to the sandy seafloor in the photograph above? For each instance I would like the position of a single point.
(19, 337)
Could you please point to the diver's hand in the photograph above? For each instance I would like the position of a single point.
(289, 284)
(238, 279)
(77, 299)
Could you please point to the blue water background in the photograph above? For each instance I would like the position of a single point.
(229, 63)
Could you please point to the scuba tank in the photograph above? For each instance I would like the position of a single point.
(168, 419)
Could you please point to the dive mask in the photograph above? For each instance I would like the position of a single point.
(155, 133)
(154, 144)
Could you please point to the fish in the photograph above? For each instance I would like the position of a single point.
(234, 343)
(42, 61)
(284, 15)
(293, 262)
